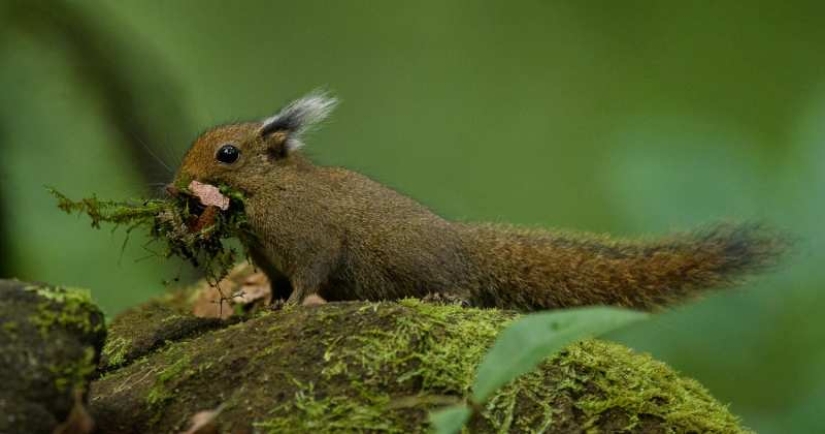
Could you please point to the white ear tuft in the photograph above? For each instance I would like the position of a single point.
(299, 117)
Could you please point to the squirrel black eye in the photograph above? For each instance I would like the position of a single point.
(228, 154)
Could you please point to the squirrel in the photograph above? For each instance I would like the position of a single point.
(336, 234)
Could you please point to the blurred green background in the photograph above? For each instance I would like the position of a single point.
(633, 118)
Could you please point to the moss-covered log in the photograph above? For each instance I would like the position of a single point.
(375, 367)
(50, 338)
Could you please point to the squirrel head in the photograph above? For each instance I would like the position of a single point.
(238, 155)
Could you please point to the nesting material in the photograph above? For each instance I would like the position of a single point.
(193, 223)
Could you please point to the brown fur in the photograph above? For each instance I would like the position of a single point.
(335, 233)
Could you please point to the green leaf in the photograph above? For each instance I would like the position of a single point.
(450, 420)
(533, 338)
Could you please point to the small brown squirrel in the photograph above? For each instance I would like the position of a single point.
(337, 234)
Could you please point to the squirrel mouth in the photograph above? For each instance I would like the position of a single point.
(203, 202)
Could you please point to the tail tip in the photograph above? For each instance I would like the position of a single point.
(751, 246)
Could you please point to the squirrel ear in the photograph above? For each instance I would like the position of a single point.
(286, 128)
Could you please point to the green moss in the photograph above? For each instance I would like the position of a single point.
(115, 349)
(175, 223)
(413, 350)
(390, 352)
(74, 374)
(447, 366)
(11, 328)
(170, 318)
(149, 327)
(62, 295)
(160, 392)
(100, 211)
(65, 307)
(382, 367)
(48, 352)
(438, 349)
(329, 414)
(609, 389)
(653, 390)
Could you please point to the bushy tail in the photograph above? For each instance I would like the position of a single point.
(533, 269)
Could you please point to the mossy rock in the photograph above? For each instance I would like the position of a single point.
(382, 367)
(141, 330)
(50, 338)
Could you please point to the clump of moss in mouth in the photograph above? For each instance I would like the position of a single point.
(184, 226)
